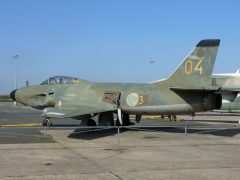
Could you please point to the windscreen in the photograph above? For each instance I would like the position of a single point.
(59, 80)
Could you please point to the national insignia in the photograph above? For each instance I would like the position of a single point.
(132, 99)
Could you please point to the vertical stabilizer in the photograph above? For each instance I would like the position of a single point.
(197, 67)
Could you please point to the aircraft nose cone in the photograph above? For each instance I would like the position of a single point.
(12, 94)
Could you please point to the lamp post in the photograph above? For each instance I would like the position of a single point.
(16, 57)
(151, 64)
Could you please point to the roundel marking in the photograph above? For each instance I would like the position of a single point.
(132, 99)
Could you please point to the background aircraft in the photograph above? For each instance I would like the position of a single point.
(188, 90)
(230, 82)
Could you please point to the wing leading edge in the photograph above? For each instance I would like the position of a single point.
(76, 111)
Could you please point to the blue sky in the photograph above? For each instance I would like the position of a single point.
(111, 40)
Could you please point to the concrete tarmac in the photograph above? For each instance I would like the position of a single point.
(209, 149)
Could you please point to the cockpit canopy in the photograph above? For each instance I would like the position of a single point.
(59, 80)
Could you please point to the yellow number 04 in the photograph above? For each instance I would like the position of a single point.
(188, 68)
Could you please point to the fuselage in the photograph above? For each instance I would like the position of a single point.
(133, 98)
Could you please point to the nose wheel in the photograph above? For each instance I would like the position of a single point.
(47, 122)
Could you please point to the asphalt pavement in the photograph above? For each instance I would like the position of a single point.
(204, 147)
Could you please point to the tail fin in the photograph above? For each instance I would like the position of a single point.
(197, 67)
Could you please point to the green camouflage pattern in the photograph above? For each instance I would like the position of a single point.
(188, 90)
(230, 84)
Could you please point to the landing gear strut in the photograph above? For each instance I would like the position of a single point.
(125, 120)
(138, 118)
(47, 122)
(172, 117)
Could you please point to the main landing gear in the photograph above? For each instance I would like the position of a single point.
(125, 120)
(172, 118)
(91, 122)
(107, 119)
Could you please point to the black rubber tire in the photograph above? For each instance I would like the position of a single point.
(172, 118)
(175, 117)
(47, 122)
(138, 118)
(44, 123)
(126, 120)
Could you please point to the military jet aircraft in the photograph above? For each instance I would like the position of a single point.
(230, 83)
(187, 90)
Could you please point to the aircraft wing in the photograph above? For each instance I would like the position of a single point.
(75, 111)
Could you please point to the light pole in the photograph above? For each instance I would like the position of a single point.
(16, 57)
(151, 62)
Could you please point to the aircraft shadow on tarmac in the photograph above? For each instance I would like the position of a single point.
(100, 133)
(94, 133)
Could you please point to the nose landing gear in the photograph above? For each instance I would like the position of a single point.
(47, 122)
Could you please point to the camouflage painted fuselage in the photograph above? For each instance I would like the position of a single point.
(146, 98)
(230, 81)
(188, 90)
